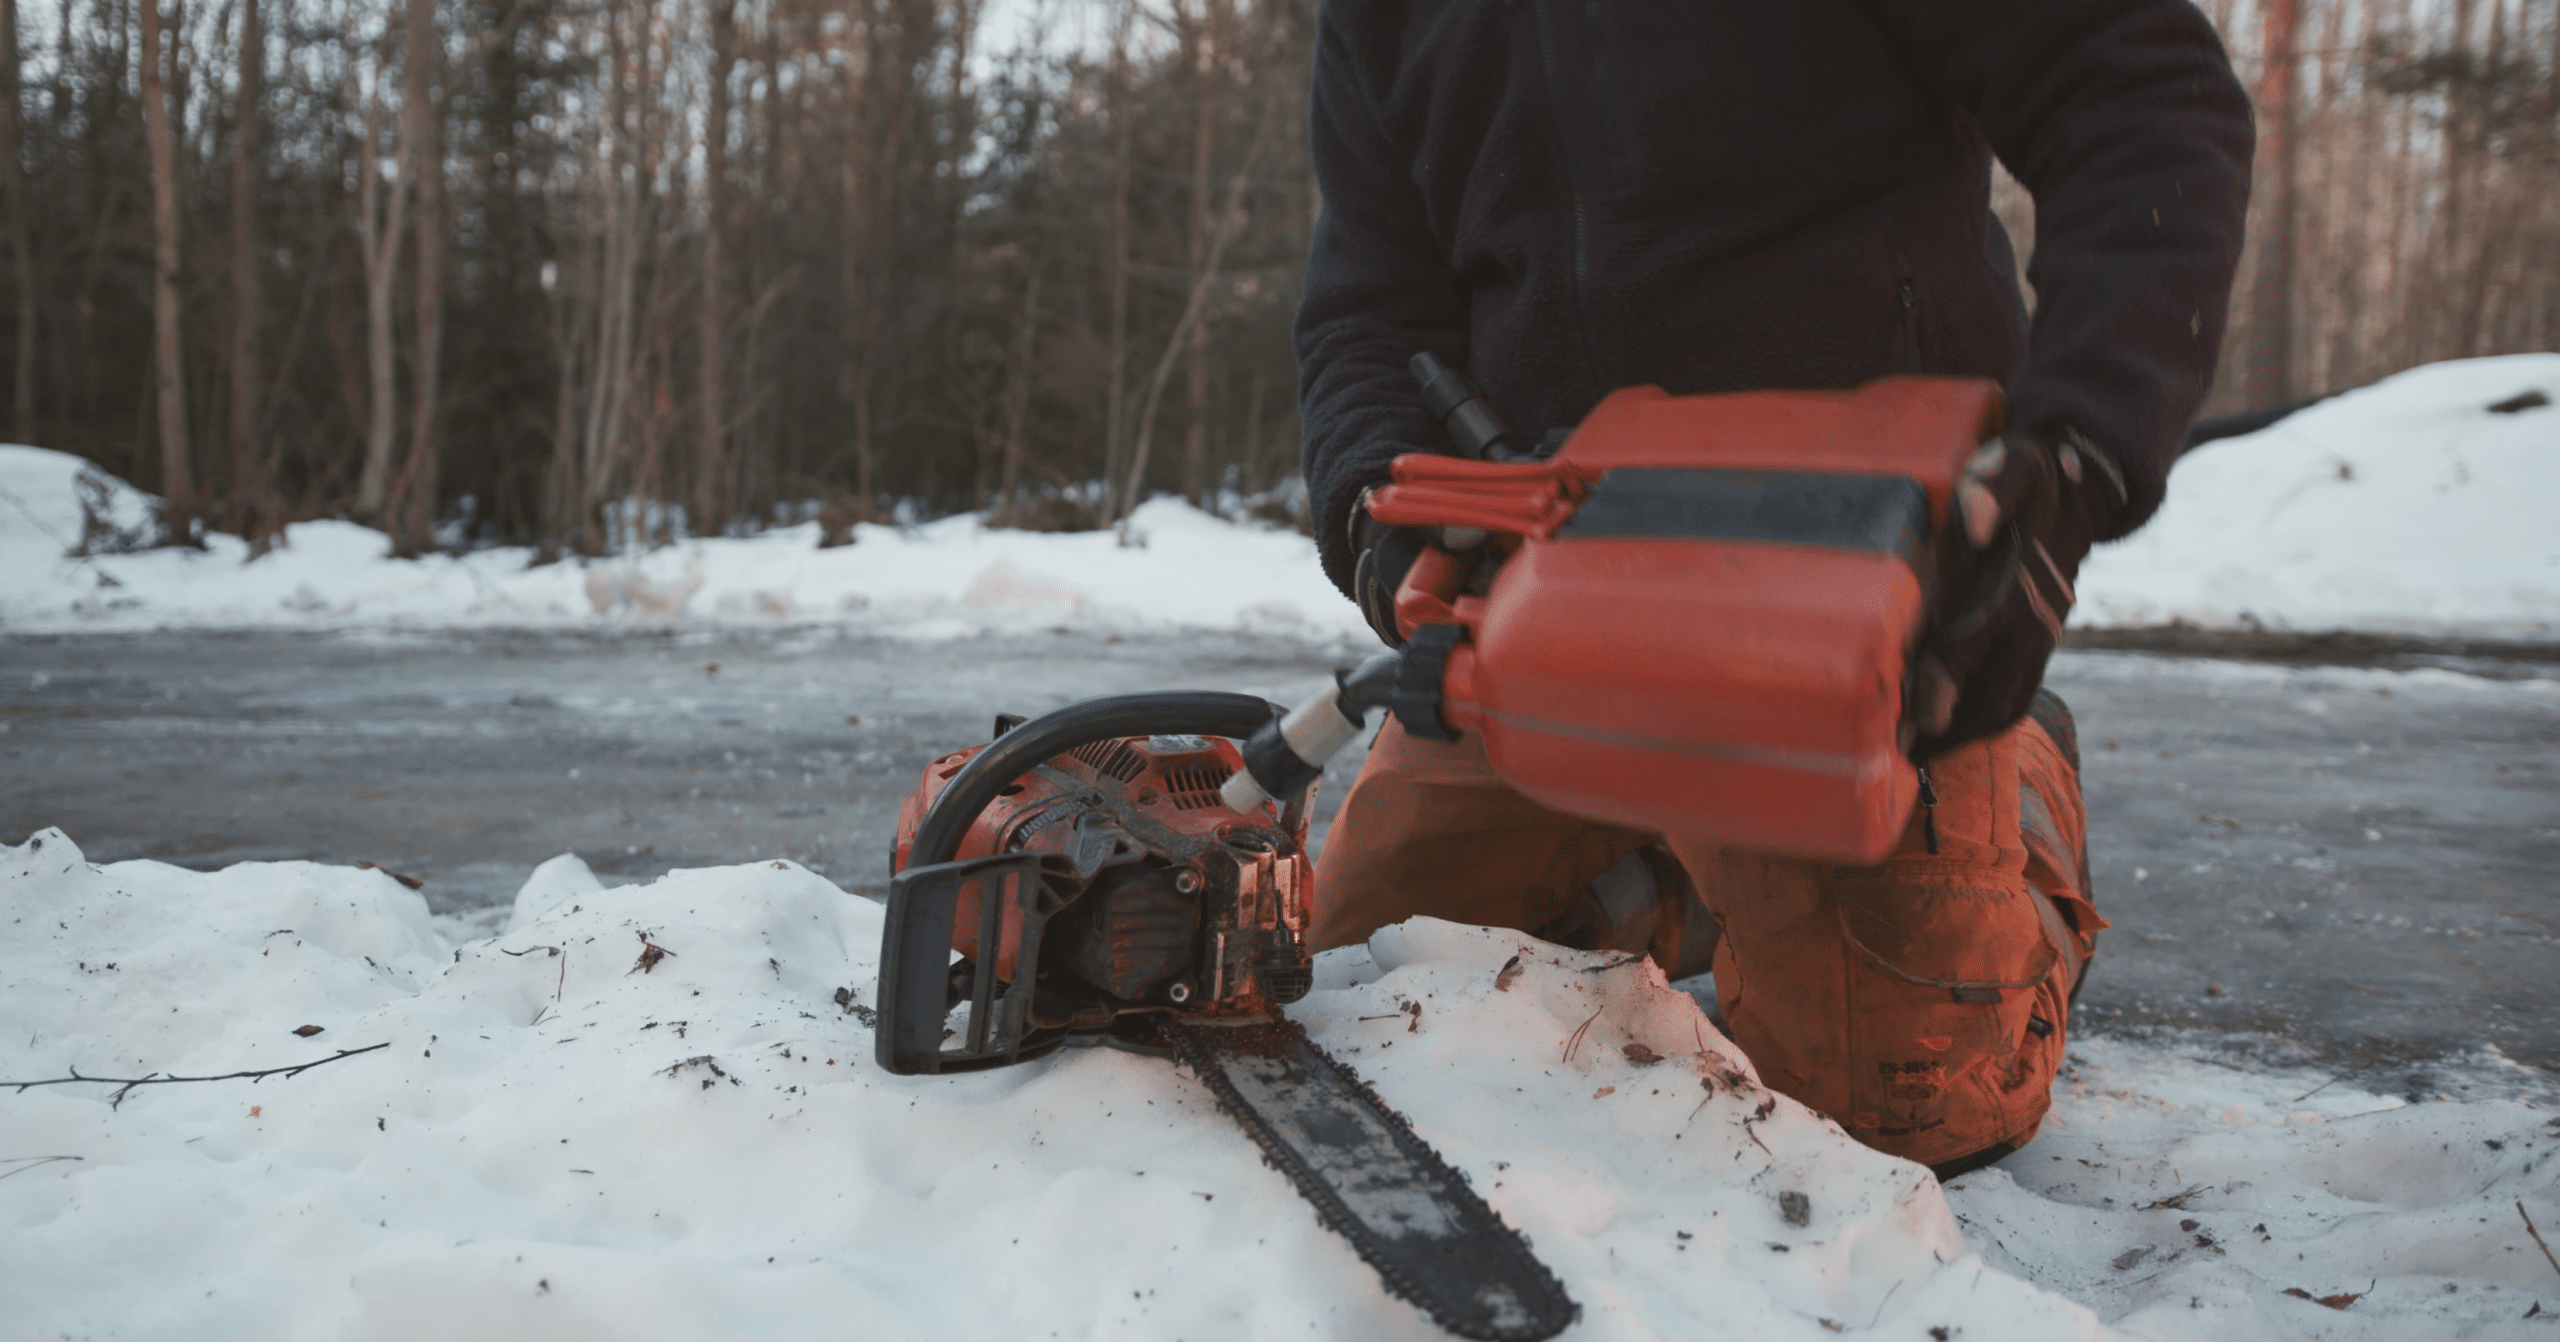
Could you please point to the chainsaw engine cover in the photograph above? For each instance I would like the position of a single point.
(1175, 902)
(1705, 627)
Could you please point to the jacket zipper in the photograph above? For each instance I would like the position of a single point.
(1573, 190)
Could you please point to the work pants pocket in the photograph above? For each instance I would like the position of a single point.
(1953, 1014)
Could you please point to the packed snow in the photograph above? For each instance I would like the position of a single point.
(1171, 567)
(2409, 507)
(2405, 507)
(562, 1139)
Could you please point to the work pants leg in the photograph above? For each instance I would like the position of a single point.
(1920, 1003)
(1429, 829)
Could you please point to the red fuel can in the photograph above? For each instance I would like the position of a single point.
(1706, 608)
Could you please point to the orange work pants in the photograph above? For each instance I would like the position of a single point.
(1920, 1003)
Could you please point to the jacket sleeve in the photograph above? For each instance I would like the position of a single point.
(2124, 120)
(1378, 290)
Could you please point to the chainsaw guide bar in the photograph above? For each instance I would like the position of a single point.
(1434, 1243)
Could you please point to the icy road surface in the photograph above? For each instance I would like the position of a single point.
(2348, 868)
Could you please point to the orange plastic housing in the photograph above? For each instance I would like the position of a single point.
(1704, 628)
(1170, 781)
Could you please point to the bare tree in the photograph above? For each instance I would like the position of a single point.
(756, 257)
(249, 512)
(413, 504)
(1195, 309)
(1020, 368)
(13, 179)
(712, 470)
(380, 224)
(2271, 304)
(1201, 38)
(177, 483)
(1118, 105)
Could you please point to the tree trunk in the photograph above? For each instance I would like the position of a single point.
(608, 396)
(2453, 220)
(177, 483)
(1194, 311)
(1017, 390)
(413, 507)
(711, 492)
(1195, 420)
(13, 178)
(2474, 324)
(1115, 411)
(2271, 298)
(379, 227)
(250, 508)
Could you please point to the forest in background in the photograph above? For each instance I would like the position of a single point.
(595, 273)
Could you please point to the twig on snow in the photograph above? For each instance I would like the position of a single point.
(125, 1084)
(556, 988)
(26, 1163)
(650, 954)
(2530, 1229)
(1574, 1041)
(1888, 1299)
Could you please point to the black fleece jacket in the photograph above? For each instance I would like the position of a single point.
(1564, 197)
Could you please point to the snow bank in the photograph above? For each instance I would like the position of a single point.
(2185, 1199)
(1183, 569)
(2404, 507)
(558, 1144)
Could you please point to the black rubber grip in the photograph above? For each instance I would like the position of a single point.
(1276, 768)
(1416, 698)
(1009, 757)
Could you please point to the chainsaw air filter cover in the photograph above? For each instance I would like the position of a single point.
(1705, 627)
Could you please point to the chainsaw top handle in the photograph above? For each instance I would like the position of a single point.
(1010, 756)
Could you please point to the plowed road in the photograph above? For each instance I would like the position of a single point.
(2353, 867)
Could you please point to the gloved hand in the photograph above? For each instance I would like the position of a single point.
(1386, 553)
(2028, 514)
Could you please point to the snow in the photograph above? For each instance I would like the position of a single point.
(1180, 569)
(565, 1146)
(2406, 507)
(555, 1142)
(2181, 1198)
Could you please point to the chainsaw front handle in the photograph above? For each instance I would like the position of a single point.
(1019, 889)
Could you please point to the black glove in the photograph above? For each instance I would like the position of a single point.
(1386, 553)
(2026, 515)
